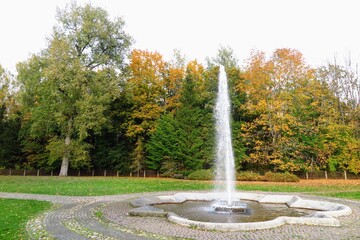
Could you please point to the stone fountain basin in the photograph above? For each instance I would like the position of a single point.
(325, 214)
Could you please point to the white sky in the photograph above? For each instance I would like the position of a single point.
(320, 29)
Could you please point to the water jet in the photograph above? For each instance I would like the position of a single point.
(224, 162)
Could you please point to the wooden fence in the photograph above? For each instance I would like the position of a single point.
(327, 175)
(153, 173)
(78, 173)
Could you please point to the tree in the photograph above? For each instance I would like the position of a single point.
(225, 57)
(194, 120)
(112, 149)
(34, 127)
(183, 139)
(146, 89)
(10, 156)
(173, 80)
(191, 120)
(344, 83)
(154, 87)
(269, 88)
(95, 40)
(4, 85)
(237, 100)
(342, 126)
(162, 147)
(7, 92)
(77, 81)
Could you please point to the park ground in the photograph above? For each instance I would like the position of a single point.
(16, 213)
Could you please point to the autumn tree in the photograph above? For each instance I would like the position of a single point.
(342, 132)
(255, 88)
(269, 86)
(77, 81)
(154, 87)
(344, 83)
(298, 118)
(173, 81)
(145, 85)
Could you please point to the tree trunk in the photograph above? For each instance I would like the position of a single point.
(66, 158)
(64, 166)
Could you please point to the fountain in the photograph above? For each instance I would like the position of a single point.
(225, 164)
(222, 209)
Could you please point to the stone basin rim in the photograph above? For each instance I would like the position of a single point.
(325, 214)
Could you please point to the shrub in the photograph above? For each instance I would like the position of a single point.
(178, 176)
(201, 175)
(248, 176)
(280, 177)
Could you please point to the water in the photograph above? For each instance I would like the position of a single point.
(257, 212)
(225, 166)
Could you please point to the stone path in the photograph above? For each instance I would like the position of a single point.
(105, 217)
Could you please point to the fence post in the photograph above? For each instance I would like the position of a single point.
(10, 172)
(130, 173)
(79, 173)
(345, 175)
(105, 173)
(117, 173)
(144, 173)
(157, 173)
(93, 172)
(52, 172)
(38, 172)
(307, 175)
(326, 176)
(24, 172)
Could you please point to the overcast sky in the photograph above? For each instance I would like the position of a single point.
(320, 29)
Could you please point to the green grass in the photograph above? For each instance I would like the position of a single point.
(350, 195)
(350, 191)
(97, 186)
(291, 188)
(94, 186)
(15, 214)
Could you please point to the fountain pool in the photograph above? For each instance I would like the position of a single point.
(255, 212)
(294, 210)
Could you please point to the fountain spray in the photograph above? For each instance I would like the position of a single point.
(225, 165)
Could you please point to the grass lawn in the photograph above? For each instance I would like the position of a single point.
(15, 214)
(18, 212)
(323, 187)
(96, 186)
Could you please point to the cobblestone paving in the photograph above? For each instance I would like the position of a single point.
(106, 217)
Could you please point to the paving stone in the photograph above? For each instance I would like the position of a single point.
(74, 219)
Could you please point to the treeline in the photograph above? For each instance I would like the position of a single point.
(90, 101)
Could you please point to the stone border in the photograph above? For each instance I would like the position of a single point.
(324, 216)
